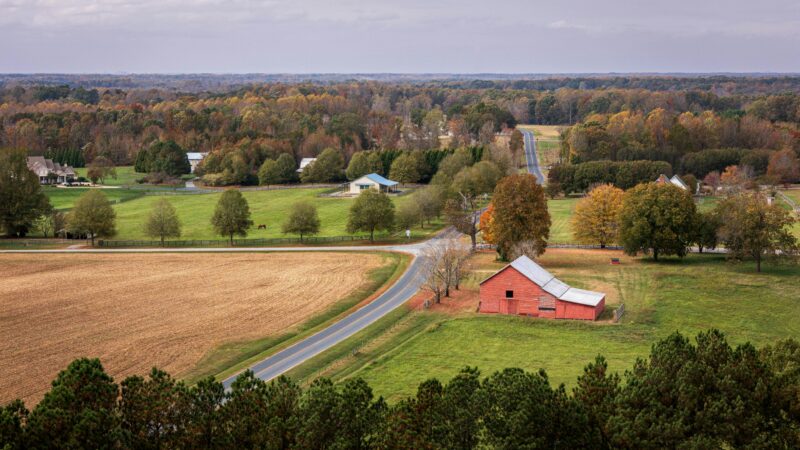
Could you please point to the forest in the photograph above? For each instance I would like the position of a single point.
(670, 119)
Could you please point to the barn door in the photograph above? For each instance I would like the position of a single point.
(512, 306)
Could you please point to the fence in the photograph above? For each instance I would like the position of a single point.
(236, 242)
(618, 313)
(485, 246)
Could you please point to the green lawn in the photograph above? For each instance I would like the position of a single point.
(701, 292)
(560, 212)
(125, 176)
(794, 194)
(269, 208)
(64, 198)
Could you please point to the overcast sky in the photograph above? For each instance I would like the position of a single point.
(410, 36)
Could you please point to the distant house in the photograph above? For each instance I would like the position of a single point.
(675, 180)
(194, 159)
(305, 162)
(372, 181)
(50, 172)
(526, 288)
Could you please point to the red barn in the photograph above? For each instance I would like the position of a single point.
(526, 288)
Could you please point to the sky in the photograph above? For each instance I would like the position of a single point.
(398, 36)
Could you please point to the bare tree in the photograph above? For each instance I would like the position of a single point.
(527, 248)
(444, 266)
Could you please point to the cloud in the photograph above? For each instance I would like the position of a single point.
(384, 35)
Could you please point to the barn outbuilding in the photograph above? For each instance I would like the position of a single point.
(372, 181)
(527, 289)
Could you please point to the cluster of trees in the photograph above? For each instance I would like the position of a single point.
(569, 178)
(664, 136)
(663, 220)
(707, 394)
(246, 126)
(162, 157)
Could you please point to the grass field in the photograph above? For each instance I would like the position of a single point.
(65, 198)
(560, 213)
(267, 207)
(695, 294)
(134, 311)
(126, 176)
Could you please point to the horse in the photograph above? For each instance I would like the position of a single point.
(262, 227)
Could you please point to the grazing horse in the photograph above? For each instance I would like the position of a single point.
(262, 227)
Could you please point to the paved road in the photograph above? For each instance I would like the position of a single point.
(531, 157)
(400, 292)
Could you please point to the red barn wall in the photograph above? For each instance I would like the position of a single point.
(527, 295)
(527, 298)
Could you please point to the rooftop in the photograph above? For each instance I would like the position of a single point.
(553, 285)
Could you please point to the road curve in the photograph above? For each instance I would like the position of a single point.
(401, 291)
(531, 158)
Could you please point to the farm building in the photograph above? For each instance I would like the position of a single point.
(675, 180)
(526, 288)
(304, 163)
(194, 159)
(372, 181)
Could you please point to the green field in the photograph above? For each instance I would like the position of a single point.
(794, 194)
(560, 212)
(126, 176)
(269, 208)
(64, 198)
(695, 294)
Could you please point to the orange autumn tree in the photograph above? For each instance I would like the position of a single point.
(485, 224)
(596, 218)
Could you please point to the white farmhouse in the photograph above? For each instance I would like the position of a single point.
(372, 181)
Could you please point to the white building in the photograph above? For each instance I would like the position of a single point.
(372, 181)
(195, 158)
(304, 162)
(675, 180)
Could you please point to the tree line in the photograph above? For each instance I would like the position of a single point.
(264, 121)
(701, 394)
(662, 219)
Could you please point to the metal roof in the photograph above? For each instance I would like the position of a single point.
(678, 181)
(553, 285)
(380, 180)
(195, 155)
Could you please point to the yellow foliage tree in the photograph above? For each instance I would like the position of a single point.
(486, 222)
(596, 218)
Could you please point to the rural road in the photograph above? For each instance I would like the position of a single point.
(401, 291)
(531, 157)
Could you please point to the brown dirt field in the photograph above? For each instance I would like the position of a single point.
(136, 311)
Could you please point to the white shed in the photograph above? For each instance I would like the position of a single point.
(194, 159)
(372, 181)
(305, 162)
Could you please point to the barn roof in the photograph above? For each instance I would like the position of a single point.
(380, 180)
(551, 284)
(195, 156)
